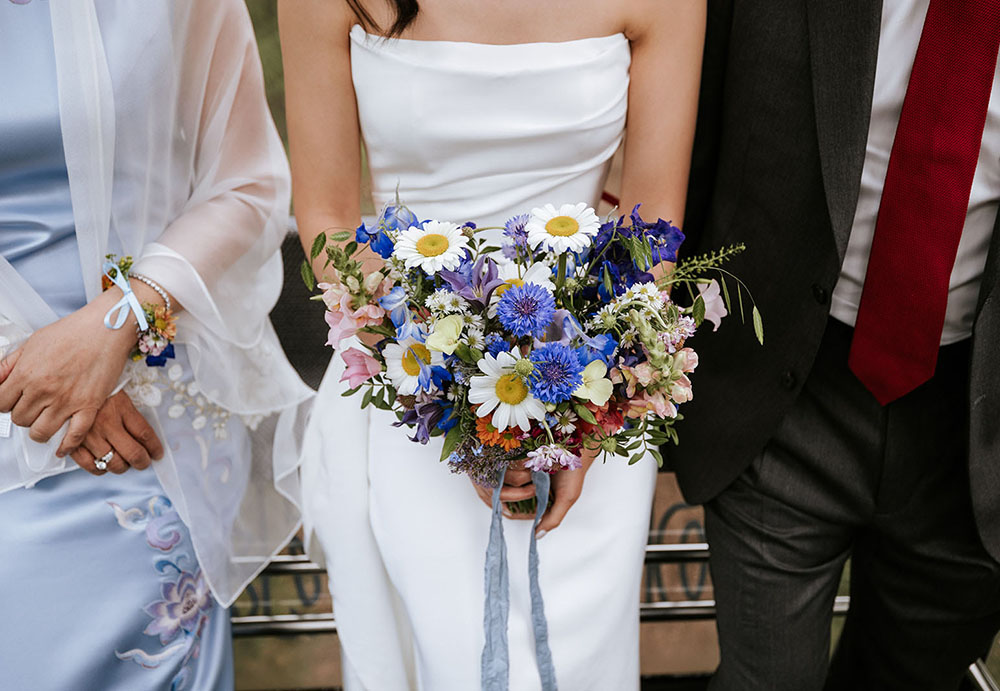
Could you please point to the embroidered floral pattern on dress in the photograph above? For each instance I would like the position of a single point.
(179, 617)
(147, 386)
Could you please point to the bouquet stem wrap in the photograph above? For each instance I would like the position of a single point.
(496, 660)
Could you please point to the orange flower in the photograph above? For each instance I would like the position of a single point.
(491, 436)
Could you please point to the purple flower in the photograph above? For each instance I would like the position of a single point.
(181, 607)
(425, 415)
(526, 310)
(496, 344)
(549, 459)
(477, 283)
(664, 238)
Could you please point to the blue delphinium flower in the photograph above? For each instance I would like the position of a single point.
(526, 310)
(557, 373)
(380, 241)
(601, 347)
(496, 344)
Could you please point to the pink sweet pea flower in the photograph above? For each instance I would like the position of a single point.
(680, 391)
(360, 367)
(651, 403)
(685, 360)
(715, 306)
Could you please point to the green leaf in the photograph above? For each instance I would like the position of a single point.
(584, 413)
(451, 441)
(476, 354)
(308, 277)
(341, 236)
(739, 298)
(636, 457)
(352, 391)
(351, 248)
(606, 279)
(655, 453)
(725, 293)
(758, 325)
(698, 311)
(319, 242)
(367, 398)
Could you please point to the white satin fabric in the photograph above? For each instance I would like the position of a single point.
(473, 132)
(173, 159)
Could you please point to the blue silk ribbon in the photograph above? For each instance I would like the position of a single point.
(128, 303)
(496, 655)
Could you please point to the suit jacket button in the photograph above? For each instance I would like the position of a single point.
(788, 379)
(821, 294)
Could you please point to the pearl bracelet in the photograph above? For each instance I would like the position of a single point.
(155, 286)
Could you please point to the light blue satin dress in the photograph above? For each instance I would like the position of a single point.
(100, 587)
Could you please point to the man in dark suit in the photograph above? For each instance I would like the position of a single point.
(854, 146)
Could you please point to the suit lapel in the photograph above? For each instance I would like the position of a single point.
(991, 275)
(843, 40)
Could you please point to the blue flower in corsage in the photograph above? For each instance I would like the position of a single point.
(556, 374)
(526, 310)
(664, 238)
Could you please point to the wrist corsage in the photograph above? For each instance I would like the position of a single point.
(157, 326)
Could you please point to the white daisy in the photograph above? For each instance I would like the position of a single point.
(503, 389)
(569, 228)
(438, 245)
(402, 367)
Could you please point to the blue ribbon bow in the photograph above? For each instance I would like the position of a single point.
(128, 303)
(496, 659)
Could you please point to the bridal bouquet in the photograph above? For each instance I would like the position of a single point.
(556, 340)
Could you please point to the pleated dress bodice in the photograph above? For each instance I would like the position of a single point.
(479, 132)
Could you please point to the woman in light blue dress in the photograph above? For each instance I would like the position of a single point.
(121, 579)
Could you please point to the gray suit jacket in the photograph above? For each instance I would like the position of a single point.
(783, 125)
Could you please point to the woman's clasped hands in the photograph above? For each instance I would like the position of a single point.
(66, 371)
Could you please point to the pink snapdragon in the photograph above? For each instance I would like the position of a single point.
(345, 321)
(360, 367)
(654, 403)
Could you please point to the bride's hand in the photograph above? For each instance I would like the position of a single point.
(121, 429)
(517, 486)
(66, 370)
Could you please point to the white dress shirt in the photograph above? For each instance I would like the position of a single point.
(902, 24)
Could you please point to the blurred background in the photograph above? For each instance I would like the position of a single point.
(677, 652)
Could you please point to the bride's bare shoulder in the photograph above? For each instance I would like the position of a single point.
(329, 19)
(656, 18)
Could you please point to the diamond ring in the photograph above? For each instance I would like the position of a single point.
(102, 462)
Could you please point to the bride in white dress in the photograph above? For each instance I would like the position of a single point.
(478, 111)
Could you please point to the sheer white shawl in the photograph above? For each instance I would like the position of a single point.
(173, 158)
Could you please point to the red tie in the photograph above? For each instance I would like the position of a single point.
(926, 198)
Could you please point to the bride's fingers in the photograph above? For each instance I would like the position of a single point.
(517, 493)
(85, 460)
(99, 447)
(486, 495)
(517, 478)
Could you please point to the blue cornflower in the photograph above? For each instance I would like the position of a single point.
(557, 373)
(514, 230)
(496, 344)
(526, 310)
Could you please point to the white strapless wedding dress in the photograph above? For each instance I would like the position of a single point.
(478, 132)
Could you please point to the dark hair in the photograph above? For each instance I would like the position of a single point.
(406, 12)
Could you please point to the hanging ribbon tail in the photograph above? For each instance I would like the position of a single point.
(543, 655)
(128, 303)
(495, 669)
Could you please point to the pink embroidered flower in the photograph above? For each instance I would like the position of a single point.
(715, 306)
(360, 367)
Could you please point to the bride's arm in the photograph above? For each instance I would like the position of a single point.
(667, 44)
(667, 41)
(323, 130)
